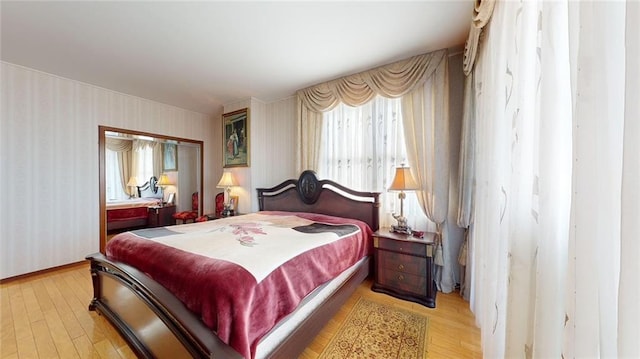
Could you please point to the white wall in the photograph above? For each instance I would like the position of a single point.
(49, 172)
(187, 179)
(272, 148)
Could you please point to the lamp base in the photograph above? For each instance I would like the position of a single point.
(227, 211)
(401, 229)
(402, 226)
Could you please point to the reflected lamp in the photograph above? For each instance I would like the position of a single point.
(133, 182)
(163, 182)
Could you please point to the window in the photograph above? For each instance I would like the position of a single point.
(113, 177)
(361, 148)
(142, 167)
(143, 160)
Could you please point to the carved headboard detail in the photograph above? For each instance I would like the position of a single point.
(150, 189)
(308, 194)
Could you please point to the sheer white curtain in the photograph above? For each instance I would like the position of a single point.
(361, 147)
(553, 248)
(603, 296)
(113, 180)
(144, 163)
(118, 167)
(523, 173)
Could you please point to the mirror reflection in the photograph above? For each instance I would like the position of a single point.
(149, 181)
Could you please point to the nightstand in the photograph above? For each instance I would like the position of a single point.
(403, 266)
(161, 216)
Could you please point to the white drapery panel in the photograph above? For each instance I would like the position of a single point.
(554, 239)
(122, 162)
(522, 200)
(466, 180)
(309, 137)
(426, 123)
(147, 160)
(114, 188)
(604, 290)
(629, 291)
(393, 80)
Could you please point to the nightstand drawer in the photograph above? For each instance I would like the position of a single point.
(402, 263)
(403, 266)
(404, 281)
(415, 248)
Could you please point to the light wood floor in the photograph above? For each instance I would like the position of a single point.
(46, 316)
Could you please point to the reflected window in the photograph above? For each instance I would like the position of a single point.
(114, 183)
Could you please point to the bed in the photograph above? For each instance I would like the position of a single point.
(133, 213)
(158, 317)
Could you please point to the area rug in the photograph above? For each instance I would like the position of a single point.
(374, 330)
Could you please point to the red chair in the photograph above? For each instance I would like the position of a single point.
(192, 215)
(219, 204)
(202, 219)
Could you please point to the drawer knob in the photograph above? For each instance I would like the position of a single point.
(400, 277)
(401, 267)
(400, 249)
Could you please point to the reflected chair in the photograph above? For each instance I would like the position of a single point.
(192, 215)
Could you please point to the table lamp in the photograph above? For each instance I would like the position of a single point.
(403, 181)
(133, 182)
(163, 182)
(227, 181)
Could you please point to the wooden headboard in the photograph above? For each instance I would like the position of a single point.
(150, 189)
(308, 194)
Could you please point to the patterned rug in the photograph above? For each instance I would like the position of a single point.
(374, 330)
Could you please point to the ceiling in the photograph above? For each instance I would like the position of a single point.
(202, 55)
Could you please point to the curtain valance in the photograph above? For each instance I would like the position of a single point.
(482, 11)
(118, 145)
(393, 80)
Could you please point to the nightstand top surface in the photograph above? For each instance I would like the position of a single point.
(429, 237)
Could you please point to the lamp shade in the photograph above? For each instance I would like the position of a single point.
(164, 180)
(403, 180)
(133, 181)
(227, 180)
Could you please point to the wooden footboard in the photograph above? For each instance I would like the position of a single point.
(157, 325)
(151, 320)
(300, 339)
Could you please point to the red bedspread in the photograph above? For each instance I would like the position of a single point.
(228, 297)
(127, 213)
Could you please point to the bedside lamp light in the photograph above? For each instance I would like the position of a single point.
(163, 182)
(403, 181)
(133, 182)
(227, 181)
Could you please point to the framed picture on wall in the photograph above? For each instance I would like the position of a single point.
(235, 139)
(170, 157)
